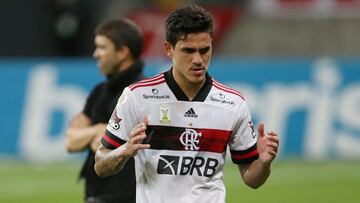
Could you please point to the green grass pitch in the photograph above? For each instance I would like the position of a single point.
(290, 182)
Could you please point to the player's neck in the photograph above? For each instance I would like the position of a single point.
(125, 64)
(190, 89)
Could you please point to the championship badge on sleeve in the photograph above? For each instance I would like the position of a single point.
(122, 98)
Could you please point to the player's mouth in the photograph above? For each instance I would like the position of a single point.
(100, 64)
(198, 71)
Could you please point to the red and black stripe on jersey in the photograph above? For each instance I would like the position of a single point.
(246, 156)
(168, 138)
(110, 141)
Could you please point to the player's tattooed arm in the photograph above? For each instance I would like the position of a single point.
(109, 162)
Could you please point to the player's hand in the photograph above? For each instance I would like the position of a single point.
(95, 143)
(136, 138)
(267, 144)
(80, 120)
(99, 131)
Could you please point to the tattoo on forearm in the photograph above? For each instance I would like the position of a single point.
(111, 164)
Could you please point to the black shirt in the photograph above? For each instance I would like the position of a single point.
(99, 106)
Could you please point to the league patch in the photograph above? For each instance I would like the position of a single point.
(165, 113)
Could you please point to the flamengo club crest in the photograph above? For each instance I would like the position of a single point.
(190, 139)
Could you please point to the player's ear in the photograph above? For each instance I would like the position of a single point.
(168, 48)
(123, 52)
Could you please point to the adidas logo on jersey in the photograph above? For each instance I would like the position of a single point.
(190, 113)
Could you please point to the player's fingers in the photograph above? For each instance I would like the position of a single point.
(133, 149)
(137, 147)
(143, 146)
(272, 133)
(138, 138)
(273, 145)
(140, 125)
(145, 120)
(137, 129)
(272, 152)
(261, 128)
(273, 138)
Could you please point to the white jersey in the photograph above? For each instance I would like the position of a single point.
(188, 138)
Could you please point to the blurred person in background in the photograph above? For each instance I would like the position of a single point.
(178, 124)
(119, 44)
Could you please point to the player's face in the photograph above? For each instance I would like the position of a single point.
(106, 55)
(191, 57)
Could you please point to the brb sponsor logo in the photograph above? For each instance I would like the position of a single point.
(186, 165)
(155, 95)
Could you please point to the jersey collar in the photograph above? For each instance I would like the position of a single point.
(180, 95)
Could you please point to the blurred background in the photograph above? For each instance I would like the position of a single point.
(297, 61)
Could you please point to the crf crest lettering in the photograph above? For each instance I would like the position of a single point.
(190, 139)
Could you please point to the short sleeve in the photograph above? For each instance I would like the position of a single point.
(123, 119)
(242, 145)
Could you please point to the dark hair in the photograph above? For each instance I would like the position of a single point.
(186, 20)
(123, 32)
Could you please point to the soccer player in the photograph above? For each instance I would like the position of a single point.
(178, 124)
(118, 47)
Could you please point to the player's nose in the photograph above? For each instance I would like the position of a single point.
(197, 58)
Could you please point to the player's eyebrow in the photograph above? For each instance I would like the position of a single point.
(190, 50)
(204, 50)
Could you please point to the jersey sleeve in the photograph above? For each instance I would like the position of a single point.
(123, 119)
(242, 145)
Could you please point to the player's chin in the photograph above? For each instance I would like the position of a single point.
(197, 78)
(197, 81)
(101, 67)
